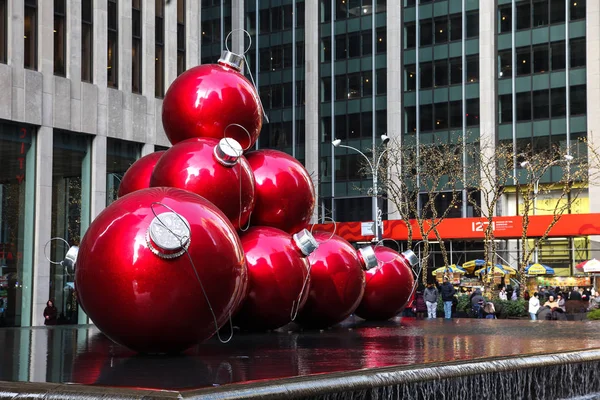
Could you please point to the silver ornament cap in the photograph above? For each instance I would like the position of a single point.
(368, 255)
(228, 151)
(411, 257)
(232, 60)
(169, 235)
(305, 241)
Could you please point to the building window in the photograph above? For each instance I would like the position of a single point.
(472, 25)
(3, 31)
(410, 78)
(473, 112)
(87, 40)
(557, 11)
(558, 55)
(120, 155)
(455, 108)
(455, 71)
(456, 27)
(558, 102)
(60, 37)
(577, 10)
(541, 59)
(381, 75)
(578, 52)
(441, 116)
(426, 75)
(540, 13)
(410, 35)
(113, 45)
(524, 16)
(504, 19)
(578, 99)
(426, 117)
(30, 34)
(441, 30)
(523, 61)
(441, 73)
(136, 46)
(504, 108)
(180, 37)
(159, 57)
(524, 106)
(472, 69)
(541, 104)
(426, 31)
(504, 64)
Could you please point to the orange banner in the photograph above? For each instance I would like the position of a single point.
(509, 227)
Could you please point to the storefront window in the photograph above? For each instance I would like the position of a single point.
(17, 153)
(70, 214)
(119, 157)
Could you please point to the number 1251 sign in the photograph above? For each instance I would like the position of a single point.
(481, 226)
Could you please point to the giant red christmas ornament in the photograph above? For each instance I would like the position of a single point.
(213, 169)
(138, 174)
(213, 100)
(388, 286)
(277, 277)
(139, 287)
(285, 195)
(337, 282)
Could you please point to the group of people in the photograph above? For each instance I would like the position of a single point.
(427, 300)
(551, 303)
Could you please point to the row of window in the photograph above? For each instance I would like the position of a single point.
(441, 73)
(542, 58)
(356, 44)
(279, 135)
(354, 86)
(440, 30)
(276, 58)
(542, 104)
(537, 13)
(355, 125)
(211, 30)
(346, 9)
(281, 95)
(442, 116)
(275, 19)
(87, 40)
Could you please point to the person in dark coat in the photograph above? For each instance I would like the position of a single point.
(477, 303)
(447, 291)
(575, 295)
(420, 306)
(50, 313)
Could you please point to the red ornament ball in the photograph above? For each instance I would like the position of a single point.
(212, 169)
(337, 282)
(285, 195)
(388, 286)
(278, 281)
(211, 100)
(138, 174)
(139, 287)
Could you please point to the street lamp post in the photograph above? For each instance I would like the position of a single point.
(536, 186)
(374, 166)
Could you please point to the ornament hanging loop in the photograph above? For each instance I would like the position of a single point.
(246, 33)
(70, 258)
(241, 127)
(312, 228)
(381, 244)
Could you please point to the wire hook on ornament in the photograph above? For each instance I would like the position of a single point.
(312, 228)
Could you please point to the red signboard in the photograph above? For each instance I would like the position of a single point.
(509, 227)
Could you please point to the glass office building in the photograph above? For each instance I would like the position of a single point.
(524, 72)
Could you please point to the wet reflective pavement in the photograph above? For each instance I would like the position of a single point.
(81, 354)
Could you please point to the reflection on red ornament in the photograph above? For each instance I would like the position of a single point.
(211, 100)
(138, 174)
(213, 169)
(278, 281)
(285, 195)
(388, 286)
(337, 282)
(139, 287)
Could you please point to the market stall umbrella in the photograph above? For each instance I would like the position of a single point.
(510, 270)
(538, 269)
(448, 269)
(488, 270)
(592, 265)
(470, 266)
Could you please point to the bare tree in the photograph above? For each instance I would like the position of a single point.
(569, 172)
(415, 179)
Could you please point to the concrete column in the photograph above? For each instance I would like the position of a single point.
(98, 178)
(46, 58)
(192, 34)
(487, 82)
(311, 79)
(593, 103)
(74, 60)
(238, 37)
(16, 49)
(148, 65)
(100, 47)
(395, 110)
(147, 148)
(125, 45)
(170, 42)
(42, 223)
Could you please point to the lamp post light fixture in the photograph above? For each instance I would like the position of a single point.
(374, 166)
(536, 185)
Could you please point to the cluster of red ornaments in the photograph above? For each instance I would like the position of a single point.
(209, 230)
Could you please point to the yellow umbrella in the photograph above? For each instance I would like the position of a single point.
(539, 269)
(507, 268)
(470, 266)
(448, 269)
(488, 270)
